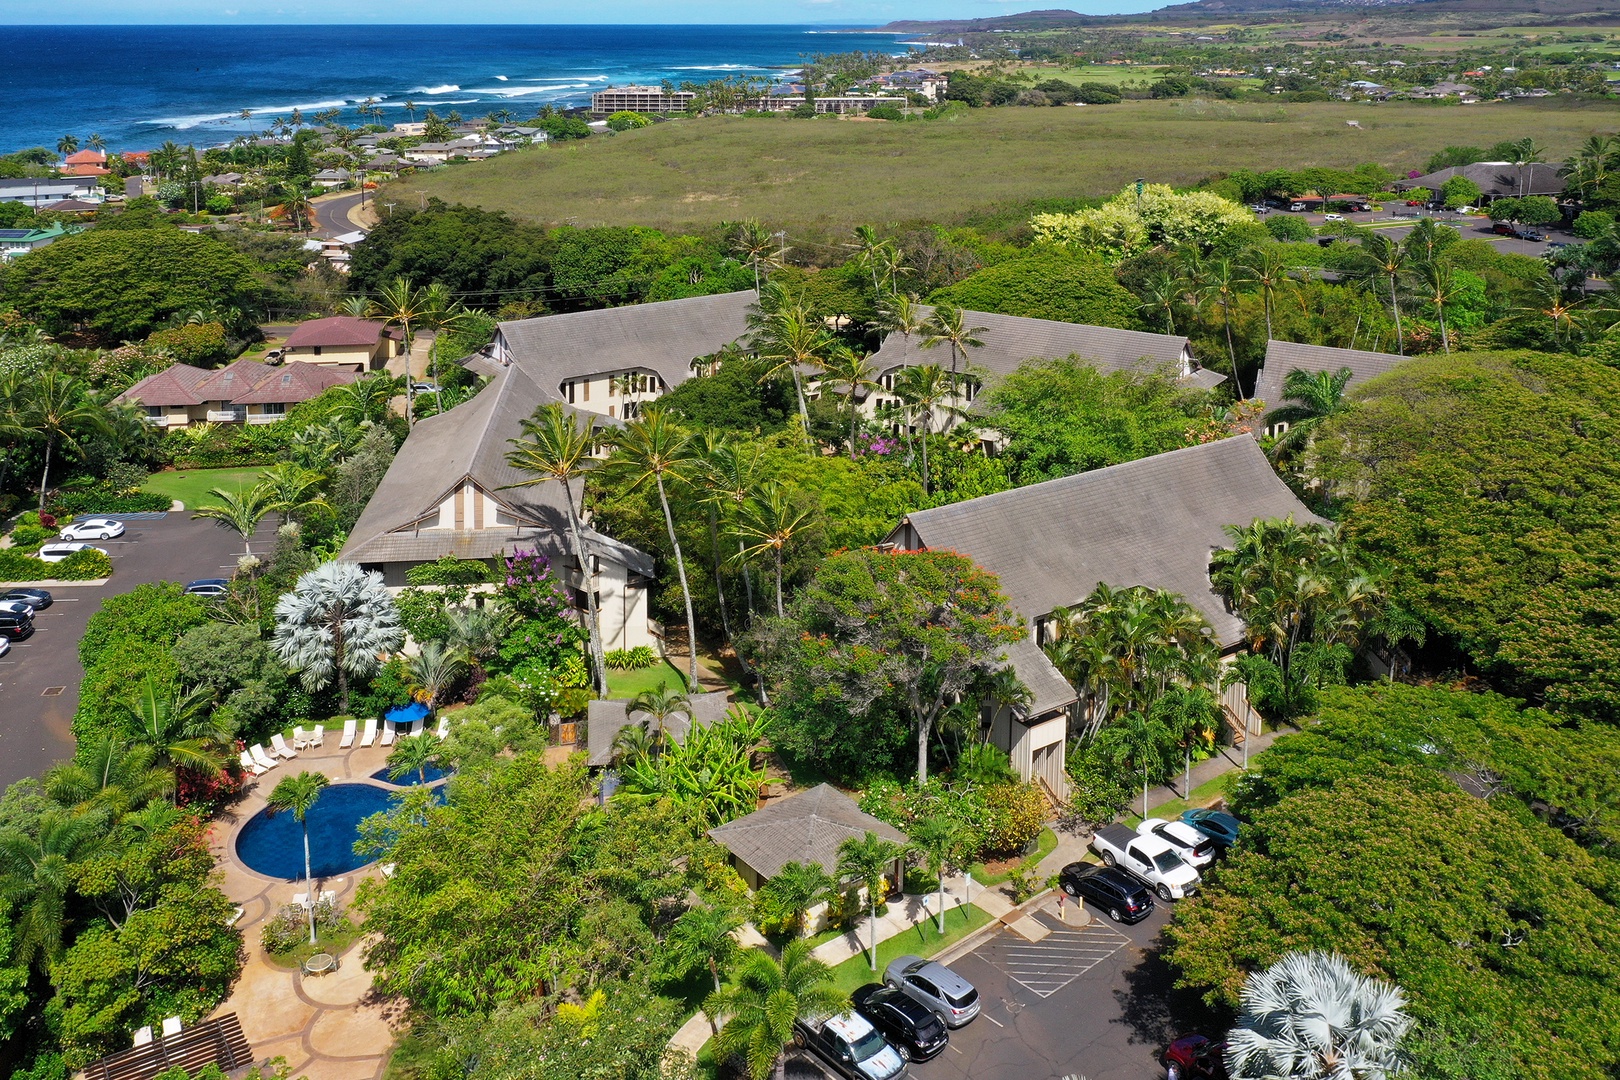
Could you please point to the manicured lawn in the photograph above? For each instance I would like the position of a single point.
(1043, 847)
(922, 940)
(332, 941)
(191, 486)
(1202, 795)
(627, 684)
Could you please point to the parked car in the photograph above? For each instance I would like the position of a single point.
(1218, 826)
(1195, 1058)
(1122, 896)
(15, 626)
(1193, 846)
(910, 1026)
(1332, 217)
(17, 607)
(1531, 234)
(936, 986)
(93, 529)
(56, 552)
(852, 1047)
(1503, 228)
(424, 388)
(5, 645)
(208, 588)
(1151, 858)
(38, 599)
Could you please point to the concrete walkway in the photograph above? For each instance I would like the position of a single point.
(1228, 759)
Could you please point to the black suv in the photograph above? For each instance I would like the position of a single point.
(910, 1026)
(1113, 890)
(15, 625)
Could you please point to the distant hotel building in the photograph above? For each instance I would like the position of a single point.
(639, 99)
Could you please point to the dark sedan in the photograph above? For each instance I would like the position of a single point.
(38, 599)
(1219, 827)
(910, 1026)
(1118, 892)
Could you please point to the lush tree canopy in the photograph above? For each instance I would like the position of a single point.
(481, 254)
(1051, 285)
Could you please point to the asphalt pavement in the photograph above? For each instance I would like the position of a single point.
(39, 678)
(332, 215)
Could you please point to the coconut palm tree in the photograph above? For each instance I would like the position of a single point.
(771, 520)
(1309, 399)
(1137, 741)
(365, 400)
(292, 490)
(764, 999)
(239, 510)
(399, 303)
(59, 409)
(854, 372)
(868, 859)
(1438, 287)
(1160, 293)
(927, 391)
(435, 669)
(1310, 1015)
(939, 839)
(703, 936)
(298, 795)
(1555, 301)
(1266, 268)
(556, 446)
(95, 142)
(753, 244)
(653, 448)
(179, 727)
(108, 773)
(796, 340)
(902, 313)
(37, 872)
(794, 890)
(660, 705)
(67, 144)
(1221, 283)
(337, 621)
(414, 756)
(946, 327)
(1381, 257)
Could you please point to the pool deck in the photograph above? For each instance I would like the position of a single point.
(329, 1027)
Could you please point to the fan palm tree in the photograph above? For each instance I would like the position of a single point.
(770, 519)
(298, 795)
(478, 631)
(765, 998)
(240, 511)
(292, 490)
(337, 621)
(703, 936)
(1310, 1016)
(854, 372)
(179, 727)
(945, 326)
(1310, 397)
(1381, 257)
(37, 876)
(414, 756)
(939, 839)
(1438, 287)
(556, 446)
(867, 859)
(435, 669)
(59, 409)
(653, 448)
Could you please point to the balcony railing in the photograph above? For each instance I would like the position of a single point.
(265, 418)
(226, 416)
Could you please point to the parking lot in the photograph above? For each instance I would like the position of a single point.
(39, 678)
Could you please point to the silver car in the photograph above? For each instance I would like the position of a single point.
(936, 986)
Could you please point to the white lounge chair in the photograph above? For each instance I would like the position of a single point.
(300, 738)
(388, 735)
(262, 757)
(251, 766)
(236, 915)
(370, 735)
(328, 895)
(171, 1026)
(300, 899)
(348, 735)
(318, 736)
(279, 745)
(143, 1036)
(418, 726)
(444, 727)
(388, 869)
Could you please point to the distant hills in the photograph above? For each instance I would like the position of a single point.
(1528, 12)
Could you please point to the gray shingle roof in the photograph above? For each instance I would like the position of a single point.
(1149, 522)
(1285, 356)
(605, 719)
(804, 828)
(1496, 178)
(1050, 689)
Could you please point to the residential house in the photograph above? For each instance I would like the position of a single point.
(245, 391)
(413, 129)
(1444, 90)
(224, 180)
(332, 178)
(805, 828)
(1152, 522)
(1285, 356)
(344, 342)
(84, 163)
(605, 719)
(15, 242)
(71, 206)
(1496, 180)
(43, 190)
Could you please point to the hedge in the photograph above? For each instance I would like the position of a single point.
(19, 566)
(102, 499)
(130, 638)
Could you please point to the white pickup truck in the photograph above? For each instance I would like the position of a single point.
(1150, 858)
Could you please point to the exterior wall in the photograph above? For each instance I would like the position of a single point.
(603, 394)
(347, 357)
(1037, 749)
(639, 99)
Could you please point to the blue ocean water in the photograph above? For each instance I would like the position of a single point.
(137, 86)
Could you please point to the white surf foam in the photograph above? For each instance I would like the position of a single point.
(500, 78)
(447, 88)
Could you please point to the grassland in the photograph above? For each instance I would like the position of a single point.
(828, 175)
(191, 486)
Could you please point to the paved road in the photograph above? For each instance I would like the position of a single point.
(39, 678)
(332, 215)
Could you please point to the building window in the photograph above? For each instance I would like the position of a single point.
(585, 395)
(316, 351)
(613, 386)
(274, 408)
(568, 388)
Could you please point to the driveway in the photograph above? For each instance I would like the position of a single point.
(39, 678)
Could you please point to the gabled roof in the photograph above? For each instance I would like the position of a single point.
(244, 382)
(1150, 522)
(336, 331)
(1285, 356)
(605, 719)
(1010, 340)
(1495, 178)
(804, 828)
(174, 385)
(293, 382)
(237, 377)
(664, 338)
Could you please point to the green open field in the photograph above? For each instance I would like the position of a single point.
(191, 486)
(829, 175)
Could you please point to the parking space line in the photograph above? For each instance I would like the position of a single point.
(993, 1020)
(1047, 966)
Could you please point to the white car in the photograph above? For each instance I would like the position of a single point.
(1195, 849)
(1332, 217)
(5, 645)
(424, 388)
(93, 529)
(58, 552)
(17, 607)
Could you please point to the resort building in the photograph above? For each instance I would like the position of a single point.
(605, 719)
(1496, 180)
(245, 391)
(640, 99)
(1151, 522)
(1285, 356)
(344, 342)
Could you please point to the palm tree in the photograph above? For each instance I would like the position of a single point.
(297, 206)
(727, 476)
(179, 727)
(556, 446)
(795, 339)
(410, 107)
(299, 794)
(703, 935)
(108, 773)
(1437, 286)
(753, 243)
(945, 327)
(925, 390)
(1382, 257)
(365, 400)
(1315, 396)
(764, 999)
(854, 372)
(938, 838)
(357, 306)
(58, 408)
(292, 490)
(1160, 293)
(1221, 282)
(240, 511)
(795, 889)
(1556, 301)
(67, 144)
(660, 704)
(770, 519)
(1266, 267)
(414, 756)
(336, 622)
(652, 447)
(1310, 1015)
(1136, 741)
(95, 141)
(867, 859)
(37, 876)
(435, 669)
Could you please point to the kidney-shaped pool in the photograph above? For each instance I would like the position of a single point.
(273, 845)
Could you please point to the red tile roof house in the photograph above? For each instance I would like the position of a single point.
(243, 392)
(84, 163)
(345, 342)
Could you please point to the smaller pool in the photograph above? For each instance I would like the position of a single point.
(406, 714)
(412, 778)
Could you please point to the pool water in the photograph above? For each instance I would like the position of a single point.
(412, 778)
(274, 845)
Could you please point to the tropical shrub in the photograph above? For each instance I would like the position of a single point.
(625, 120)
(104, 498)
(636, 659)
(1052, 284)
(1017, 816)
(17, 566)
(198, 344)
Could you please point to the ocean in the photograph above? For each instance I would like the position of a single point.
(138, 86)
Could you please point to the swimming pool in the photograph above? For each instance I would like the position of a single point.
(274, 845)
(411, 779)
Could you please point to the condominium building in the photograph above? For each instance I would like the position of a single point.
(639, 99)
